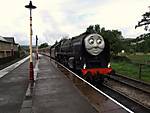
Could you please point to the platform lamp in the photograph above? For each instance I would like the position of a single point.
(31, 73)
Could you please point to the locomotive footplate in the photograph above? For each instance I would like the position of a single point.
(96, 75)
(94, 71)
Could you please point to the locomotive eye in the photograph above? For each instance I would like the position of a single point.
(91, 41)
(99, 41)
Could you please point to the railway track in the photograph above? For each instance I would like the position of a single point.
(145, 87)
(124, 99)
(136, 90)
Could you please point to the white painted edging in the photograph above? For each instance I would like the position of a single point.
(12, 67)
(36, 69)
(127, 109)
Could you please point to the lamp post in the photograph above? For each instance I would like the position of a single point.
(31, 73)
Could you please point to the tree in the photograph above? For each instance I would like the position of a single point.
(97, 28)
(143, 42)
(145, 21)
(115, 38)
(44, 45)
(93, 29)
(90, 29)
(144, 46)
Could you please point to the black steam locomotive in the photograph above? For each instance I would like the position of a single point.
(87, 54)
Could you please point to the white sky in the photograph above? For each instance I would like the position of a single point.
(53, 19)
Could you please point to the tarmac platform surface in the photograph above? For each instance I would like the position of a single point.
(54, 93)
(13, 86)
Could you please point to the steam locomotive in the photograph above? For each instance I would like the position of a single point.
(87, 54)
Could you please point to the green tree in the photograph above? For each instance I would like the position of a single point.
(93, 29)
(145, 21)
(44, 45)
(90, 29)
(115, 38)
(97, 28)
(143, 42)
(144, 46)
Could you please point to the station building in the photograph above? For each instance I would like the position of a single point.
(8, 47)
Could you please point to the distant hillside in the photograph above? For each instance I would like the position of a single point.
(26, 47)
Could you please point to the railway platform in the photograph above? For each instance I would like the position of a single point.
(52, 92)
(13, 85)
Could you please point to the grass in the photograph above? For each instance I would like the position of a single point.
(131, 69)
(139, 58)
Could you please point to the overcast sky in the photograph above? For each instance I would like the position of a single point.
(53, 19)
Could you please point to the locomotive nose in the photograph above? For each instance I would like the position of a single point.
(96, 47)
(95, 44)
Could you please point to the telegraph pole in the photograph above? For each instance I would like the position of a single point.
(37, 57)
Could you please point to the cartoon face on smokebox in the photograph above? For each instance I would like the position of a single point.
(94, 44)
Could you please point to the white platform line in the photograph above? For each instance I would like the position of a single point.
(36, 69)
(127, 109)
(6, 70)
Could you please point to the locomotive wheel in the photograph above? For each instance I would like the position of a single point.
(88, 77)
(98, 79)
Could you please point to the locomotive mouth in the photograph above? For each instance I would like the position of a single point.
(95, 48)
(94, 51)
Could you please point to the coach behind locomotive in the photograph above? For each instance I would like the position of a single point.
(86, 53)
